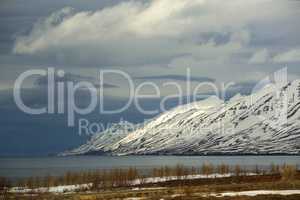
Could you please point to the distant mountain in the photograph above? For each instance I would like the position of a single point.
(265, 122)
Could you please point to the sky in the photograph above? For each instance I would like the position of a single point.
(218, 41)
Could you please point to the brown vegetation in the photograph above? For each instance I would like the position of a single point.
(288, 172)
(124, 177)
(116, 183)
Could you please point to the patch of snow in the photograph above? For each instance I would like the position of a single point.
(150, 188)
(258, 192)
(54, 189)
(188, 177)
(133, 198)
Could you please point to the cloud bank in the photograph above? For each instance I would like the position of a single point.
(74, 78)
(289, 56)
(175, 78)
(151, 32)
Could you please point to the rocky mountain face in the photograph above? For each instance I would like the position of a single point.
(265, 122)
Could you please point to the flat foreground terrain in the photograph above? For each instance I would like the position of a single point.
(240, 188)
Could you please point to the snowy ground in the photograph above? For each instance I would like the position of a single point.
(257, 192)
(74, 188)
(55, 189)
(233, 194)
(188, 177)
(251, 193)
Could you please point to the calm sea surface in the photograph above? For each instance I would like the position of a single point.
(15, 168)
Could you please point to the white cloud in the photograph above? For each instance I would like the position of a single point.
(136, 33)
(289, 56)
(263, 56)
(260, 56)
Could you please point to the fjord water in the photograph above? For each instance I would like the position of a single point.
(15, 168)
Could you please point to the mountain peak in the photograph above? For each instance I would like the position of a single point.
(265, 122)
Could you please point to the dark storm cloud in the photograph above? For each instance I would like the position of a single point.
(18, 17)
(176, 78)
(37, 95)
(74, 78)
(217, 38)
(151, 41)
(243, 88)
(268, 24)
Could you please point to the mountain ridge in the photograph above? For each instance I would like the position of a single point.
(263, 123)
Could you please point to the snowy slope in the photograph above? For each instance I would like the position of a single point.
(102, 141)
(266, 122)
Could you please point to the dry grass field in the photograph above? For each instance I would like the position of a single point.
(283, 178)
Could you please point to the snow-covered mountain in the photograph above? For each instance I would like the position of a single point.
(101, 142)
(266, 122)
